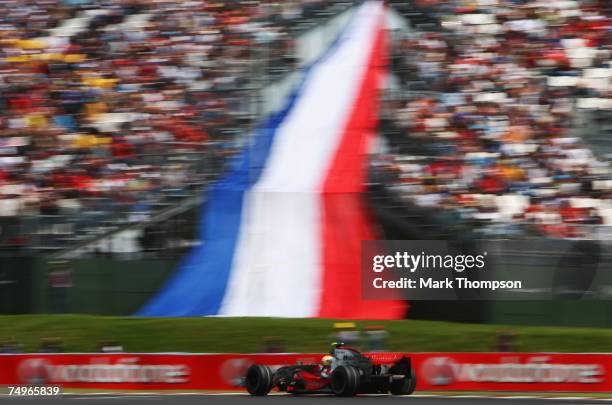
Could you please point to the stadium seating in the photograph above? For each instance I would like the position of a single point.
(111, 110)
(491, 110)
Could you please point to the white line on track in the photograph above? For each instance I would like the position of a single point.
(122, 397)
(162, 395)
(521, 397)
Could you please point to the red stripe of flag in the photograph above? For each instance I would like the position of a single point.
(346, 221)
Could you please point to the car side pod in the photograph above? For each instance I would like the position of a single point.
(345, 381)
(258, 380)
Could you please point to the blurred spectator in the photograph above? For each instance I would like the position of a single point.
(50, 345)
(274, 344)
(347, 333)
(10, 346)
(110, 346)
(60, 283)
(376, 338)
(505, 341)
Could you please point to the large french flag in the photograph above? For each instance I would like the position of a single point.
(282, 232)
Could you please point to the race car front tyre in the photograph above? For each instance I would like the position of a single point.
(258, 380)
(345, 381)
(405, 386)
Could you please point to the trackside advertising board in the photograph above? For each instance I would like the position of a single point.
(435, 371)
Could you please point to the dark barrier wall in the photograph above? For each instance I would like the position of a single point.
(579, 274)
(595, 314)
(120, 287)
(112, 287)
(92, 286)
(16, 293)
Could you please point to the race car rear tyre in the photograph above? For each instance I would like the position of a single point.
(258, 380)
(345, 381)
(405, 386)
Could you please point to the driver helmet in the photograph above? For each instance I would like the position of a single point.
(327, 360)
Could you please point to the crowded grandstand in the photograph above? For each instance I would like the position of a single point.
(490, 128)
(112, 110)
(264, 135)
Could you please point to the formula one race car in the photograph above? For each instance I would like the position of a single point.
(344, 372)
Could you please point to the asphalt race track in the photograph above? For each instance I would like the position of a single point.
(192, 399)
